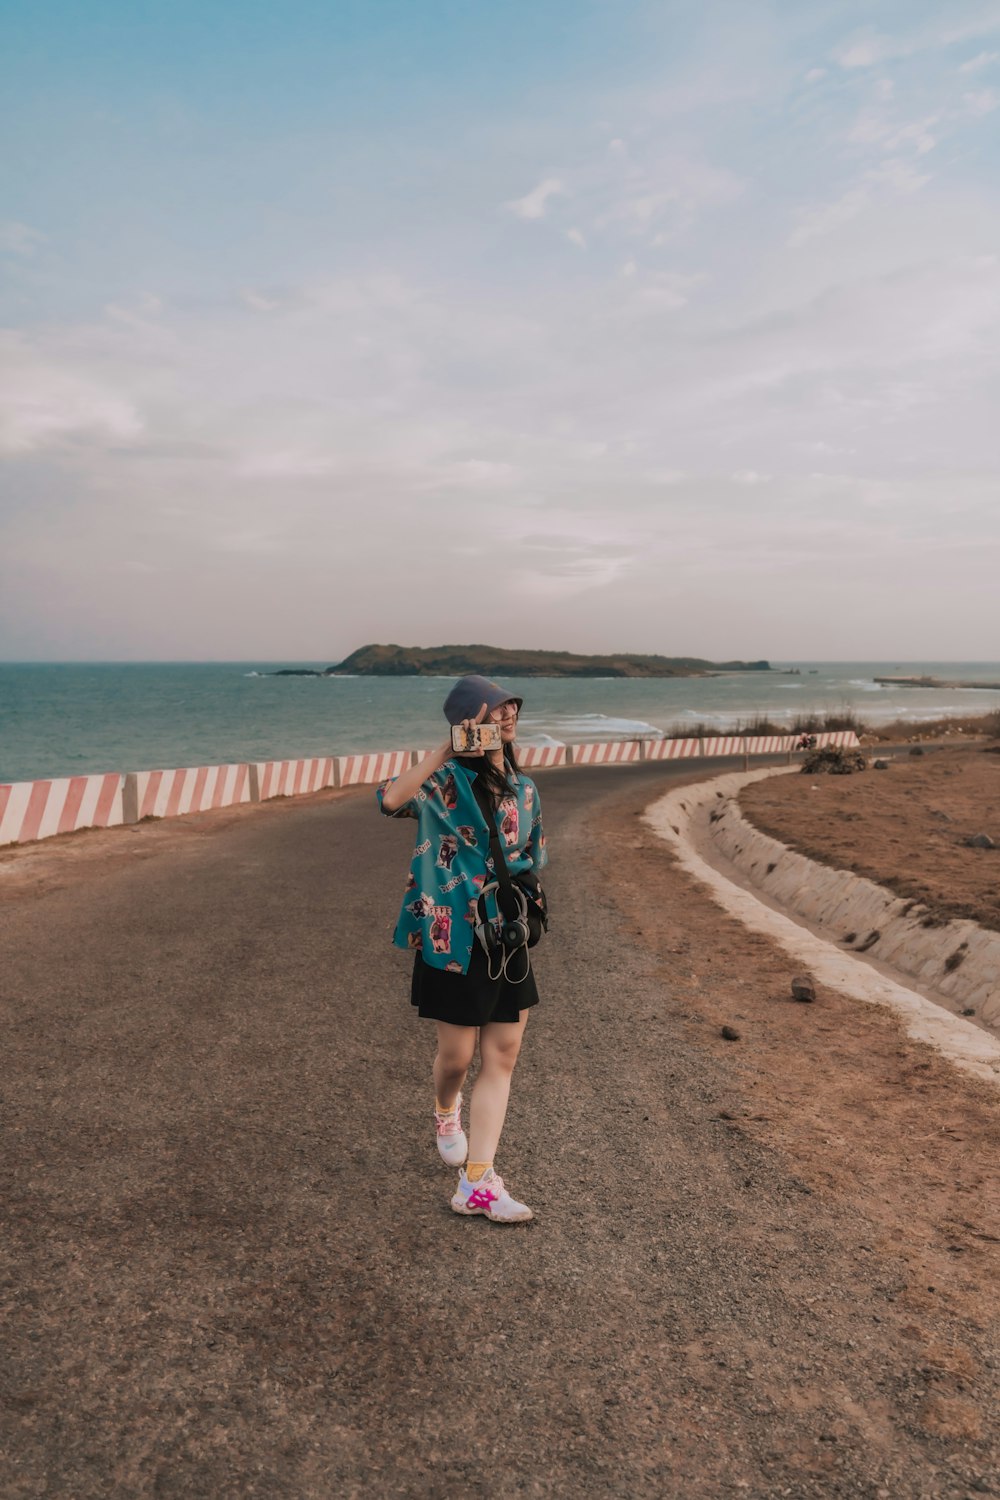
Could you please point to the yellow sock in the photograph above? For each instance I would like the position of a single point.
(443, 1109)
(476, 1169)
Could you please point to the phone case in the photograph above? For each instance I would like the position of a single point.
(480, 736)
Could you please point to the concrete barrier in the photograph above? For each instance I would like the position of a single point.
(846, 738)
(169, 794)
(606, 753)
(362, 770)
(670, 749)
(722, 744)
(38, 809)
(769, 744)
(535, 757)
(291, 778)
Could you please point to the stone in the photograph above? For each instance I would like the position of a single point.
(881, 765)
(979, 841)
(803, 989)
(916, 749)
(730, 1034)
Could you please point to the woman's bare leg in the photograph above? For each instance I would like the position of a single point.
(455, 1050)
(499, 1044)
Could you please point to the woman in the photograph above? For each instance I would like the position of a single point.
(451, 916)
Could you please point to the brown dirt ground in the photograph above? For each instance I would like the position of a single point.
(903, 828)
(869, 1118)
(869, 1131)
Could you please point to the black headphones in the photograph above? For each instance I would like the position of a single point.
(513, 934)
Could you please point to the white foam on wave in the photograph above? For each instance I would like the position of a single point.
(604, 726)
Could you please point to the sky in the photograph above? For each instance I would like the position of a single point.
(599, 325)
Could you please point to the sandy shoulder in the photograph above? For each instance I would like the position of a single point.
(863, 1116)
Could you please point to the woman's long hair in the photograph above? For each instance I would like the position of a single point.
(494, 780)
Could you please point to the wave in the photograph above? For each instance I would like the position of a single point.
(606, 725)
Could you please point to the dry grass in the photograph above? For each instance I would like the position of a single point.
(952, 726)
(948, 727)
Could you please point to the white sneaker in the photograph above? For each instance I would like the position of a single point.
(488, 1196)
(452, 1144)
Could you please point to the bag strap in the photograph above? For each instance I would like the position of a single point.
(500, 866)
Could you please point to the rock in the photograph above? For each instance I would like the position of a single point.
(970, 1010)
(979, 841)
(916, 749)
(803, 988)
(730, 1034)
(881, 765)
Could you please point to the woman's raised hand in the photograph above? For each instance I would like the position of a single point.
(470, 724)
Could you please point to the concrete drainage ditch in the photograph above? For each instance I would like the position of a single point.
(958, 963)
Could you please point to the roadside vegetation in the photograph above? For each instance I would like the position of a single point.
(950, 726)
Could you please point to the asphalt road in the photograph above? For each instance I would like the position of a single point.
(229, 1265)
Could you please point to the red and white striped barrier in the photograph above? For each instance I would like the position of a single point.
(531, 757)
(846, 738)
(769, 744)
(32, 810)
(364, 770)
(723, 744)
(671, 749)
(168, 794)
(608, 752)
(38, 809)
(290, 778)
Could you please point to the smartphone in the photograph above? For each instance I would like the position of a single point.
(479, 737)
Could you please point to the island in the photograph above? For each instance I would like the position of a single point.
(459, 661)
(935, 682)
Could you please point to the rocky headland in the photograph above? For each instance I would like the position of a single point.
(457, 661)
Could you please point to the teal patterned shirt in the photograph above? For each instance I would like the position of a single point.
(451, 862)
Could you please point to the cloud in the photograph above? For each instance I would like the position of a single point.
(981, 60)
(893, 176)
(20, 239)
(869, 48)
(45, 403)
(771, 283)
(981, 102)
(534, 204)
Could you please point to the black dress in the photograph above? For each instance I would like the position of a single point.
(474, 998)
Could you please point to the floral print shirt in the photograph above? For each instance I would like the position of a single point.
(451, 862)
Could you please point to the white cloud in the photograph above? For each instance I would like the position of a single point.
(45, 403)
(982, 102)
(893, 176)
(534, 204)
(20, 239)
(981, 60)
(654, 405)
(869, 47)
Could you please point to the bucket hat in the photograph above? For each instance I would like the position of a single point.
(470, 693)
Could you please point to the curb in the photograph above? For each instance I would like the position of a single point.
(679, 816)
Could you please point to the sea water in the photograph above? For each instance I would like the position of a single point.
(62, 719)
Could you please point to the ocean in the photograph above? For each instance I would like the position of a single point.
(63, 719)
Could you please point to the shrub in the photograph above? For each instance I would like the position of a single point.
(834, 761)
